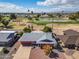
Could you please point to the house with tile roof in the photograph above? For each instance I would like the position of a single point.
(37, 38)
(71, 32)
(70, 39)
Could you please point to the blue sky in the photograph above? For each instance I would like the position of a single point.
(26, 3)
(39, 5)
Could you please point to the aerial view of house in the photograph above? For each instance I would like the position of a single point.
(37, 38)
(39, 29)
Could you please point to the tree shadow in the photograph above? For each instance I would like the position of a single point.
(8, 27)
(70, 52)
(53, 55)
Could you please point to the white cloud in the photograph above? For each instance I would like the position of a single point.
(8, 7)
(59, 5)
(64, 5)
(57, 2)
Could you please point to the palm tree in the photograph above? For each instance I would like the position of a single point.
(28, 10)
(31, 12)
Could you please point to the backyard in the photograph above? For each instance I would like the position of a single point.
(21, 22)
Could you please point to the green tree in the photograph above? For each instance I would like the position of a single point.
(77, 14)
(50, 15)
(38, 15)
(27, 30)
(37, 19)
(47, 29)
(72, 17)
(59, 15)
(0, 18)
(5, 23)
(5, 51)
(29, 18)
(13, 16)
(19, 34)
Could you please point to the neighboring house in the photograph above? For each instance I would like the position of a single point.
(24, 52)
(70, 39)
(37, 38)
(38, 53)
(7, 38)
(71, 32)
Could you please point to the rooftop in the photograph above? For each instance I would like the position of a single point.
(5, 36)
(38, 53)
(71, 32)
(39, 37)
(7, 31)
(31, 36)
(70, 37)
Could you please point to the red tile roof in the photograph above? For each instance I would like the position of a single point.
(37, 53)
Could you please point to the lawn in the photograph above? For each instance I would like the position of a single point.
(17, 25)
(44, 21)
(41, 21)
(6, 18)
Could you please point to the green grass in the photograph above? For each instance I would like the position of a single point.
(42, 22)
(66, 22)
(6, 18)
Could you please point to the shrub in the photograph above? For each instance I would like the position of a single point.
(13, 16)
(5, 51)
(47, 29)
(5, 23)
(20, 34)
(27, 29)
